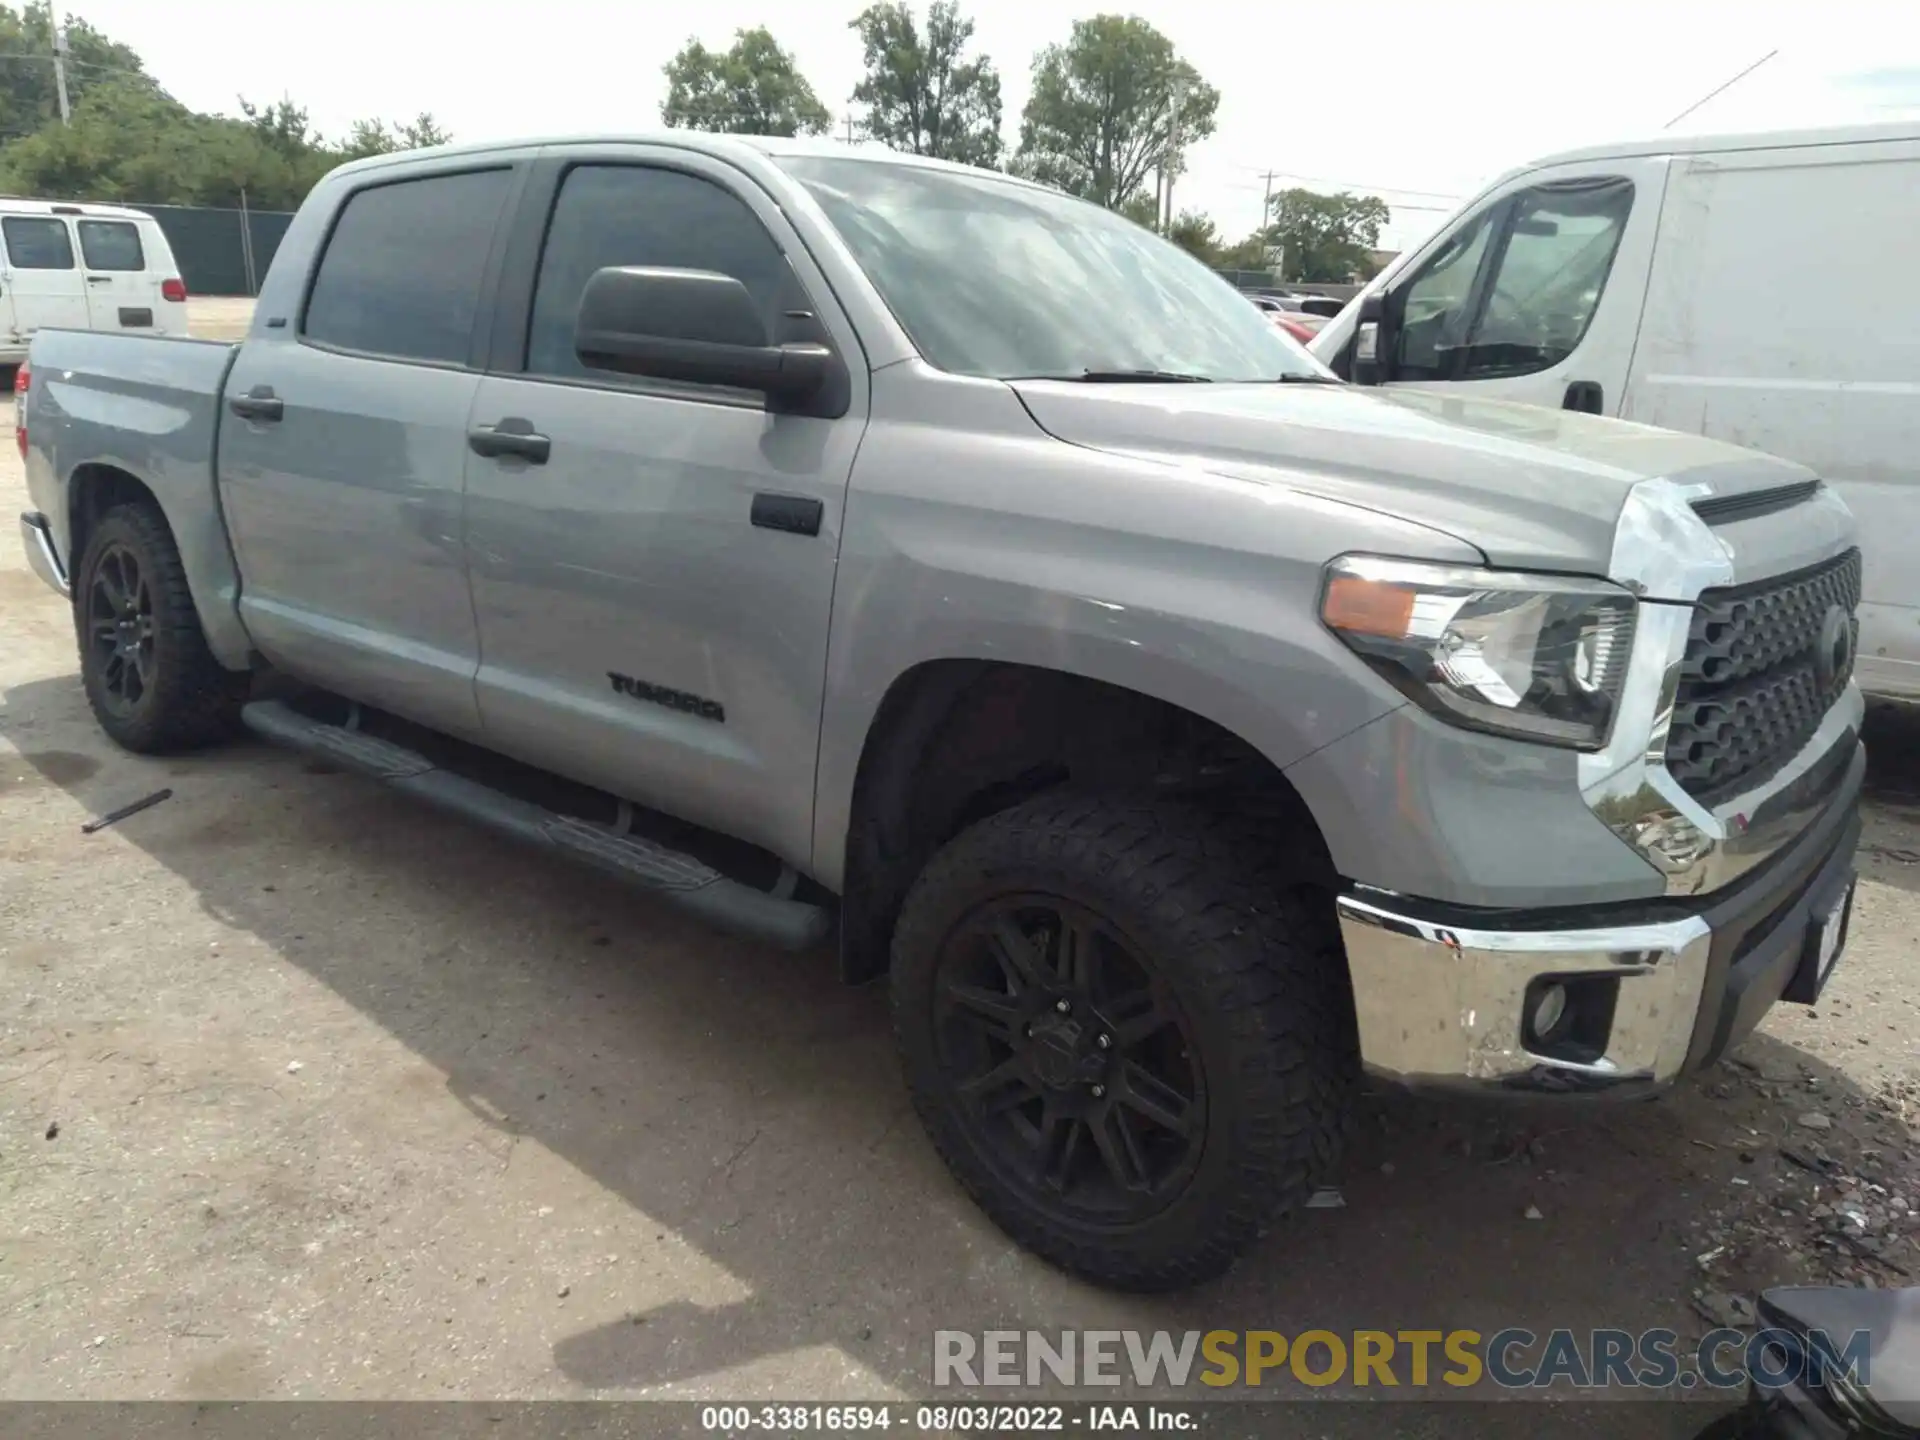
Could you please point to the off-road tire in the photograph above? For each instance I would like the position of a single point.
(1255, 965)
(191, 700)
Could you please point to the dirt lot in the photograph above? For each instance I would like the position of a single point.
(308, 1092)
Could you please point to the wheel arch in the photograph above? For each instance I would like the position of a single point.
(955, 740)
(97, 486)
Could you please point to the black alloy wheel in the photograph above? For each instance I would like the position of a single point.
(119, 629)
(149, 675)
(1126, 1026)
(1075, 1070)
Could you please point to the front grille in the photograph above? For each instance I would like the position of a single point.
(1751, 690)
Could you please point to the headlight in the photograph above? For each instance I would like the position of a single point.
(1542, 657)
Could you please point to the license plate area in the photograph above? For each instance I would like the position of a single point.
(1826, 941)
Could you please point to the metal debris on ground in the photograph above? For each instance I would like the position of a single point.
(1326, 1198)
(1533, 1213)
(114, 816)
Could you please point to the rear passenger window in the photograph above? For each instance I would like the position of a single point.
(36, 244)
(401, 273)
(110, 245)
(632, 215)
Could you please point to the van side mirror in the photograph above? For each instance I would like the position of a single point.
(692, 325)
(1368, 363)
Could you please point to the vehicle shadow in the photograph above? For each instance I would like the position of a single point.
(747, 1102)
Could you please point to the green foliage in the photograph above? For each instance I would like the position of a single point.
(376, 137)
(920, 95)
(131, 141)
(1326, 239)
(28, 96)
(1142, 209)
(1247, 254)
(1197, 235)
(1100, 118)
(751, 88)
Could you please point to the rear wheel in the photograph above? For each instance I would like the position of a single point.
(150, 679)
(1131, 1050)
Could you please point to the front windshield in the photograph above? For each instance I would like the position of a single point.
(1012, 281)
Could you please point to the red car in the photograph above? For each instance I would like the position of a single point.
(1284, 312)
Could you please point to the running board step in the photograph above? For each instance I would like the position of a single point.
(677, 878)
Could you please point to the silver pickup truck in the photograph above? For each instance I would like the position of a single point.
(841, 543)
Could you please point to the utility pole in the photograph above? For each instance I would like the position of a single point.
(60, 65)
(1170, 162)
(849, 139)
(1266, 215)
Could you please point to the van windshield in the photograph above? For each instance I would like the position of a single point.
(1010, 281)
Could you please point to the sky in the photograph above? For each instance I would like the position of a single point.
(1419, 103)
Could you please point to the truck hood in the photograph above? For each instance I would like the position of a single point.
(1532, 488)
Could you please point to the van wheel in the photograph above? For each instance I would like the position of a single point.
(153, 684)
(1130, 1052)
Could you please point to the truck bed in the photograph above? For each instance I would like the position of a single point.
(147, 407)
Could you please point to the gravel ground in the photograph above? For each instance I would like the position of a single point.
(307, 1092)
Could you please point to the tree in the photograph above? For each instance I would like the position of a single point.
(376, 137)
(1100, 119)
(1143, 209)
(751, 88)
(423, 131)
(282, 127)
(920, 95)
(131, 141)
(28, 96)
(1248, 254)
(1198, 236)
(1326, 239)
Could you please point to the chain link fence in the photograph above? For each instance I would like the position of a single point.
(221, 252)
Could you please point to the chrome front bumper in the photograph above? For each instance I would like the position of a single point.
(1445, 1006)
(37, 539)
(1444, 1003)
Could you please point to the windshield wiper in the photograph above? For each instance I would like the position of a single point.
(1125, 377)
(1308, 380)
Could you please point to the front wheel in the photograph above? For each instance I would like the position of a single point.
(1129, 1047)
(150, 679)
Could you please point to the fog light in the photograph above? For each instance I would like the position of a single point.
(1549, 1009)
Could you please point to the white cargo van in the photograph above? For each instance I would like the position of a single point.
(84, 267)
(1762, 289)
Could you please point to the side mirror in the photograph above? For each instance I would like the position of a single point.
(1368, 364)
(691, 325)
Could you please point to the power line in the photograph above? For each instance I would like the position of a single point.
(1350, 185)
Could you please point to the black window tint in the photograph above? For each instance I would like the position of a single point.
(111, 245)
(401, 273)
(630, 215)
(34, 244)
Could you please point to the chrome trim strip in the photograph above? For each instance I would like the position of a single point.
(1668, 555)
(37, 539)
(1442, 1006)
